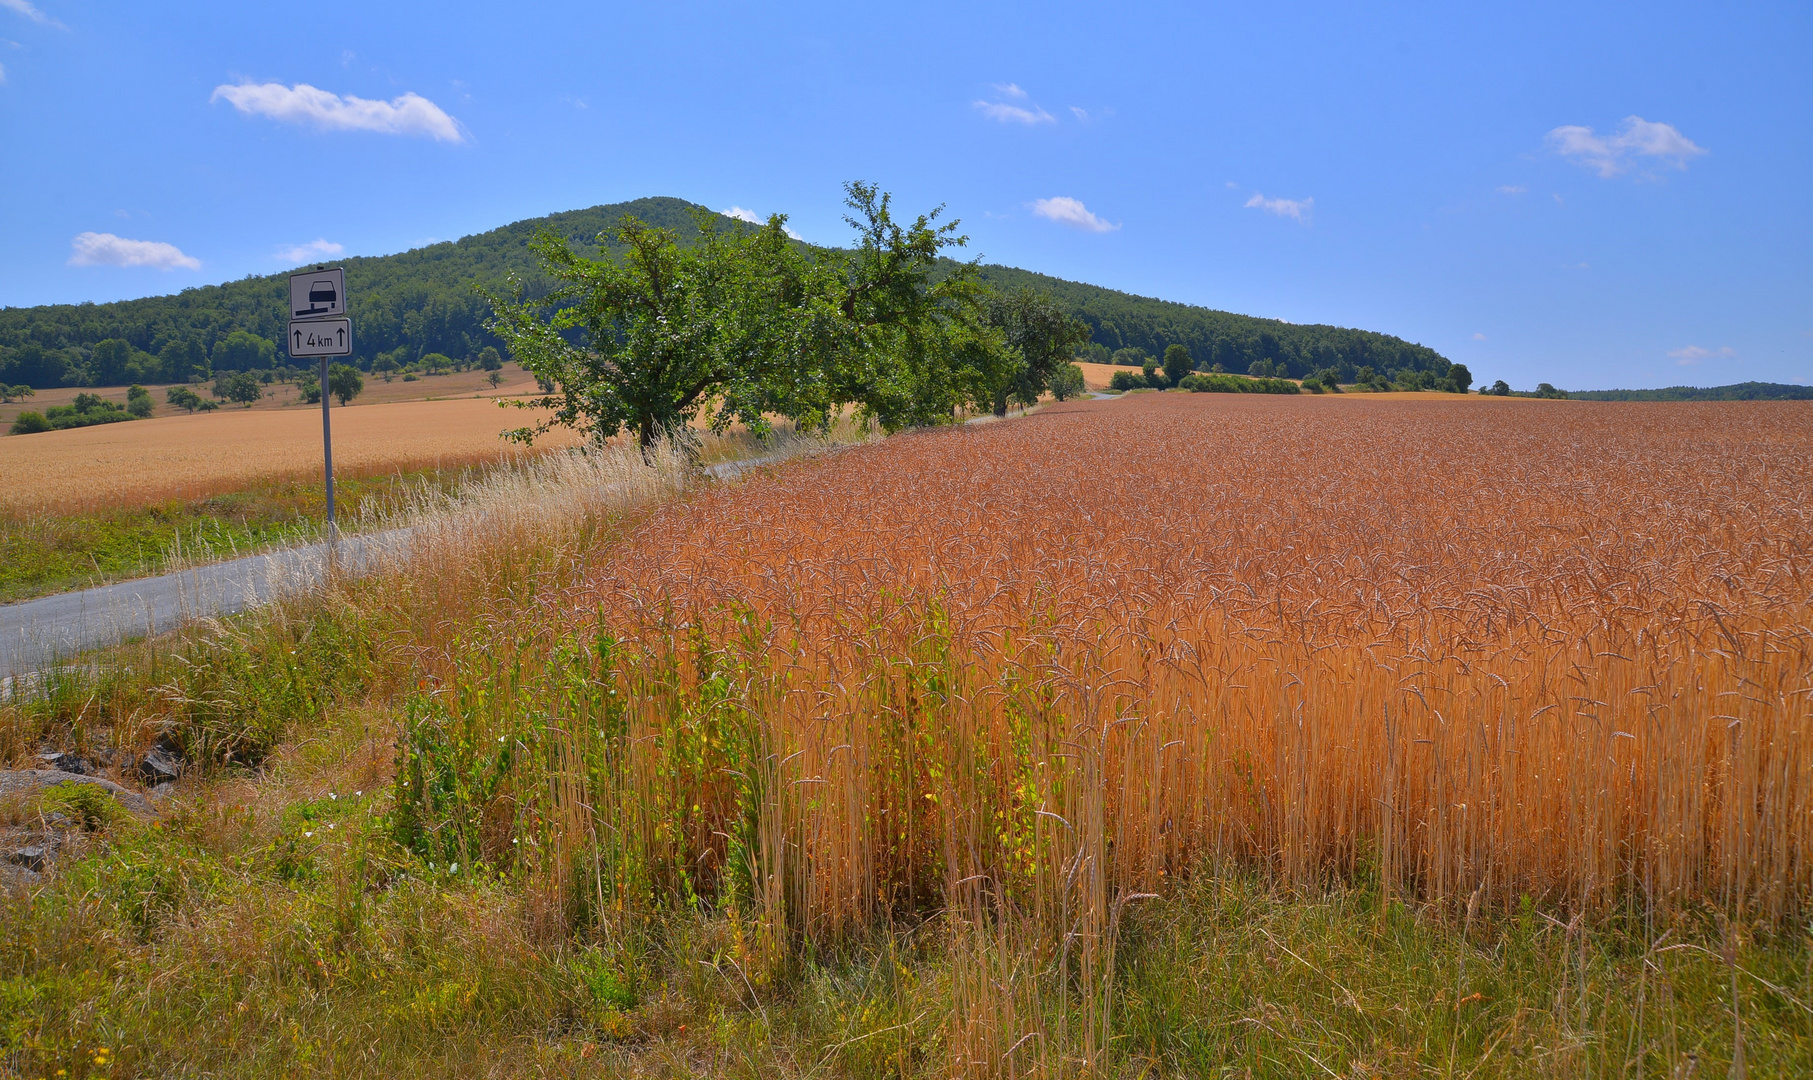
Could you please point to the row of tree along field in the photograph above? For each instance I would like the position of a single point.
(433, 300)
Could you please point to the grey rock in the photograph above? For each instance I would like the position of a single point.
(17, 879)
(62, 762)
(158, 768)
(27, 782)
(32, 857)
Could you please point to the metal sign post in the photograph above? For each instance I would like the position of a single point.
(319, 327)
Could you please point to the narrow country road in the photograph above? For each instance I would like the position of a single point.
(37, 632)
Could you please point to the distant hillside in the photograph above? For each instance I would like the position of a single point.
(423, 301)
(1744, 391)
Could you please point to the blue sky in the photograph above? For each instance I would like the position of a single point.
(1591, 195)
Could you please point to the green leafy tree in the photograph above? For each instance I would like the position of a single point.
(1545, 390)
(1154, 373)
(1499, 389)
(184, 398)
(1458, 378)
(1177, 363)
(182, 360)
(1260, 369)
(1129, 357)
(1067, 383)
(490, 359)
(344, 382)
(110, 361)
(241, 387)
(1040, 337)
(138, 401)
(744, 322)
(1093, 353)
(240, 351)
(662, 332)
(495, 378)
(15, 393)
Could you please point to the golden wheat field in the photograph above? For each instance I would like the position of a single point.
(191, 456)
(1477, 652)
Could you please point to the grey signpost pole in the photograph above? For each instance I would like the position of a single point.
(327, 450)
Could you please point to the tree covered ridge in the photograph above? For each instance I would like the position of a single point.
(428, 300)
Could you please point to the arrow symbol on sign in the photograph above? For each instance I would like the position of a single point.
(341, 334)
(298, 334)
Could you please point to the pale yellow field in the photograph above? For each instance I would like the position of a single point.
(192, 456)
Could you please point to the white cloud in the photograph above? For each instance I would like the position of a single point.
(1296, 209)
(1230, 185)
(410, 114)
(1012, 90)
(106, 249)
(1693, 354)
(1479, 337)
(312, 251)
(1014, 114)
(1609, 155)
(25, 8)
(1512, 189)
(1081, 114)
(753, 218)
(1068, 211)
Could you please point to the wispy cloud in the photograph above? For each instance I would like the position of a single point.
(1479, 337)
(410, 114)
(754, 218)
(1297, 210)
(1512, 189)
(25, 8)
(1693, 354)
(1610, 155)
(312, 251)
(1014, 114)
(1068, 211)
(2, 74)
(106, 249)
(1007, 111)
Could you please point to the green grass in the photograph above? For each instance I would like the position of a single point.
(43, 553)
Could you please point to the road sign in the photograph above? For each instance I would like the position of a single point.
(319, 294)
(321, 337)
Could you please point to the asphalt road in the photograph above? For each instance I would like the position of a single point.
(38, 632)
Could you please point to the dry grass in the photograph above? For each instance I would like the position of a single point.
(189, 457)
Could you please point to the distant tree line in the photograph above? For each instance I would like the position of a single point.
(424, 310)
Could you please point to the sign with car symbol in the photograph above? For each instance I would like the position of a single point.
(319, 294)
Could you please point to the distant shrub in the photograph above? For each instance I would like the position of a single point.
(1123, 381)
(86, 411)
(138, 401)
(30, 423)
(1237, 384)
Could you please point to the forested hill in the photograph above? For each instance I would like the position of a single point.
(423, 301)
(1744, 391)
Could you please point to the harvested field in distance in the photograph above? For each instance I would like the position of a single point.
(1471, 650)
(147, 461)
